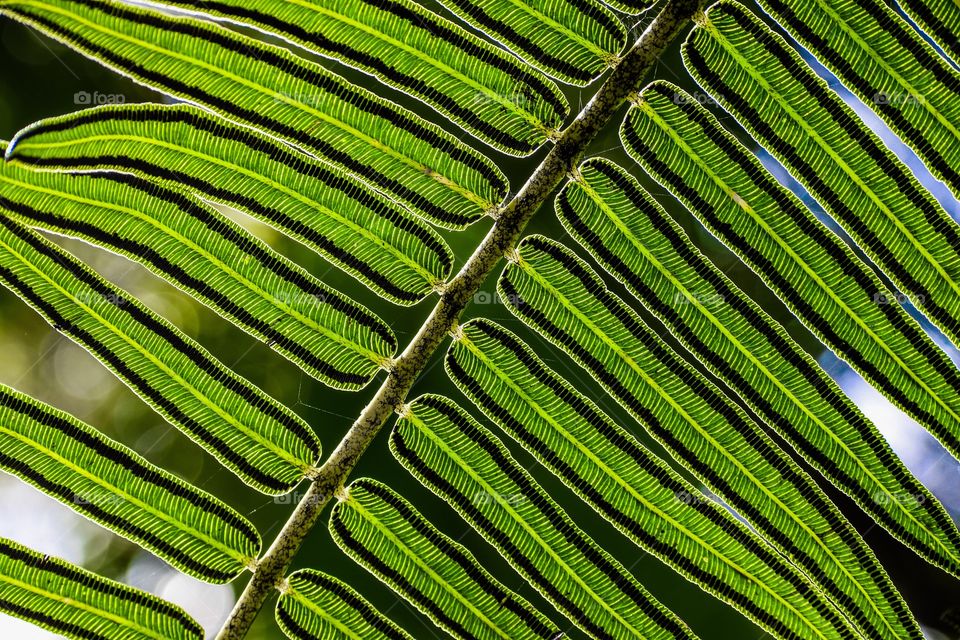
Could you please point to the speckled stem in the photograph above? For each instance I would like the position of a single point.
(510, 222)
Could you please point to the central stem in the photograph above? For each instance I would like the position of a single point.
(510, 222)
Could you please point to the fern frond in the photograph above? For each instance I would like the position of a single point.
(75, 603)
(571, 40)
(890, 68)
(386, 535)
(315, 606)
(624, 228)
(270, 88)
(815, 274)
(112, 485)
(463, 463)
(480, 87)
(380, 243)
(756, 76)
(200, 251)
(633, 489)
(250, 433)
(556, 293)
(261, 127)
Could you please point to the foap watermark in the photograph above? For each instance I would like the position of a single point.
(98, 498)
(885, 297)
(951, 619)
(88, 99)
(110, 297)
(903, 497)
(307, 98)
(485, 297)
(691, 497)
(523, 99)
(299, 298)
(697, 97)
(304, 497)
(885, 98)
(485, 497)
(705, 298)
(294, 497)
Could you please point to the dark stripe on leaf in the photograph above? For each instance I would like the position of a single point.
(669, 364)
(529, 493)
(339, 607)
(202, 361)
(810, 391)
(73, 590)
(71, 492)
(595, 21)
(245, 246)
(451, 552)
(143, 472)
(894, 31)
(40, 146)
(938, 18)
(850, 267)
(733, 539)
(422, 26)
(288, 66)
(942, 235)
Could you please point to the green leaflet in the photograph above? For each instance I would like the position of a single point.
(75, 603)
(478, 86)
(624, 228)
(270, 88)
(253, 435)
(815, 274)
(940, 19)
(555, 292)
(202, 252)
(363, 233)
(387, 536)
(791, 111)
(313, 605)
(463, 463)
(634, 489)
(571, 40)
(886, 63)
(112, 485)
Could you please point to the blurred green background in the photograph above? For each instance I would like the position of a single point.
(40, 79)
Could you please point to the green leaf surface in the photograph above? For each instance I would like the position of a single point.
(890, 68)
(267, 87)
(253, 435)
(203, 253)
(815, 274)
(390, 250)
(571, 40)
(315, 606)
(940, 19)
(387, 536)
(112, 485)
(479, 86)
(464, 464)
(792, 112)
(555, 292)
(70, 601)
(632, 488)
(624, 228)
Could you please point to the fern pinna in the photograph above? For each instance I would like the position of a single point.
(621, 362)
